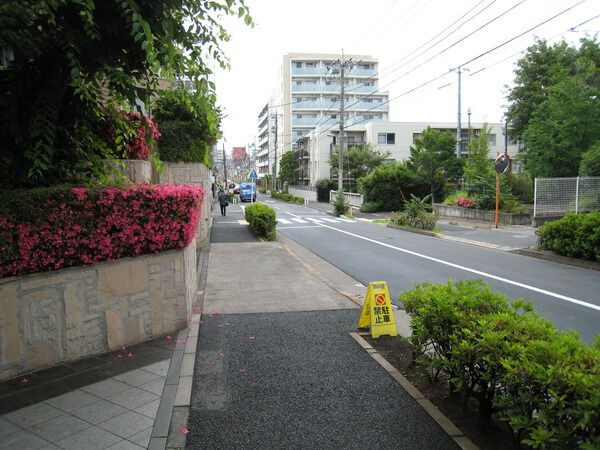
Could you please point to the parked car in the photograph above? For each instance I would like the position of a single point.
(248, 192)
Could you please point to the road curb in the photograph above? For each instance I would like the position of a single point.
(446, 424)
(550, 256)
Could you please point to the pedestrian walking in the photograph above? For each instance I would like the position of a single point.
(223, 202)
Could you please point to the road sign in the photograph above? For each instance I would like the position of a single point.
(377, 311)
(253, 175)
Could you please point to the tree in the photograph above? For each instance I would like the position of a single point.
(555, 106)
(189, 124)
(287, 167)
(359, 160)
(70, 65)
(433, 159)
(590, 162)
(478, 163)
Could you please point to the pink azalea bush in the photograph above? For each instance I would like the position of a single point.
(51, 228)
(141, 135)
(465, 202)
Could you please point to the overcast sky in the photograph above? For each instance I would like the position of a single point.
(417, 42)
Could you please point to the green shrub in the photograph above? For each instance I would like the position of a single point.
(522, 187)
(262, 220)
(181, 142)
(390, 184)
(543, 383)
(439, 312)
(575, 235)
(451, 199)
(323, 188)
(340, 207)
(288, 197)
(415, 214)
(370, 207)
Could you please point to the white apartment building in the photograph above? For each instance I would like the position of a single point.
(307, 96)
(315, 148)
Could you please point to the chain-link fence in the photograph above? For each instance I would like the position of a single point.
(558, 196)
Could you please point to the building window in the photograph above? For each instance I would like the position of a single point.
(333, 116)
(386, 138)
(299, 65)
(310, 64)
(492, 139)
(365, 66)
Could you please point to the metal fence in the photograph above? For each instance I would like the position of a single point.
(558, 196)
(352, 198)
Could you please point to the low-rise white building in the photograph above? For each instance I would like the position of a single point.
(314, 149)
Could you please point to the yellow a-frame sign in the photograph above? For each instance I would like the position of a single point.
(377, 311)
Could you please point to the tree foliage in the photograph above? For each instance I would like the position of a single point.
(433, 159)
(66, 63)
(359, 160)
(590, 162)
(555, 106)
(478, 163)
(287, 167)
(189, 124)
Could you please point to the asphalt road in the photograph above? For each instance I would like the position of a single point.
(568, 296)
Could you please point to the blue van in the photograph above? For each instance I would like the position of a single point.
(248, 192)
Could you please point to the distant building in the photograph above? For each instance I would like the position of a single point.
(307, 96)
(239, 154)
(314, 149)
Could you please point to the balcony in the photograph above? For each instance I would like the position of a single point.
(326, 105)
(308, 70)
(313, 122)
(360, 106)
(358, 72)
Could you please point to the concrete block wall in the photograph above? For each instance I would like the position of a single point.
(50, 317)
(481, 216)
(191, 173)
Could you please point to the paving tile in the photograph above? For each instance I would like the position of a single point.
(125, 445)
(32, 415)
(127, 424)
(24, 440)
(142, 438)
(73, 400)
(156, 386)
(157, 443)
(133, 398)
(160, 368)
(149, 409)
(7, 428)
(99, 412)
(137, 377)
(107, 388)
(60, 427)
(93, 437)
(85, 364)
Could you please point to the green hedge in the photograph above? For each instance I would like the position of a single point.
(287, 197)
(575, 235)
(543, 383)
(181, 141)
(262, 220)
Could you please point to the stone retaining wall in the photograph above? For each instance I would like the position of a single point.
(68, 314)
(191, 173)
(480, 216)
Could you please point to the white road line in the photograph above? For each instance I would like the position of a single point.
(303, 226)
(326, 219)
(468, 269)
(343, 219)
(312, 219)
(285, 221)
(297, 219)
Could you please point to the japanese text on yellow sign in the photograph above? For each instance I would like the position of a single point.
(377, 311)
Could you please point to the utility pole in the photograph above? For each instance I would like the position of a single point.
(225, 167)
(458, 126)
(341, 65)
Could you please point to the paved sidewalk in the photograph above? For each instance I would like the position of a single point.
(276, 366)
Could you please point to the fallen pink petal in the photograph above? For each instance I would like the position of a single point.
(242, 370)
(252, 338)
(197, 308)
(184, 431)
(190, 320)
(221, 354)
(178, 341)
(130, 354)
(123, 347)
(119, 356)
(24, 380)
(169, 338)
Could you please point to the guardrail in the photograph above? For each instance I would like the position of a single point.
(308, 193)
(351, 198)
